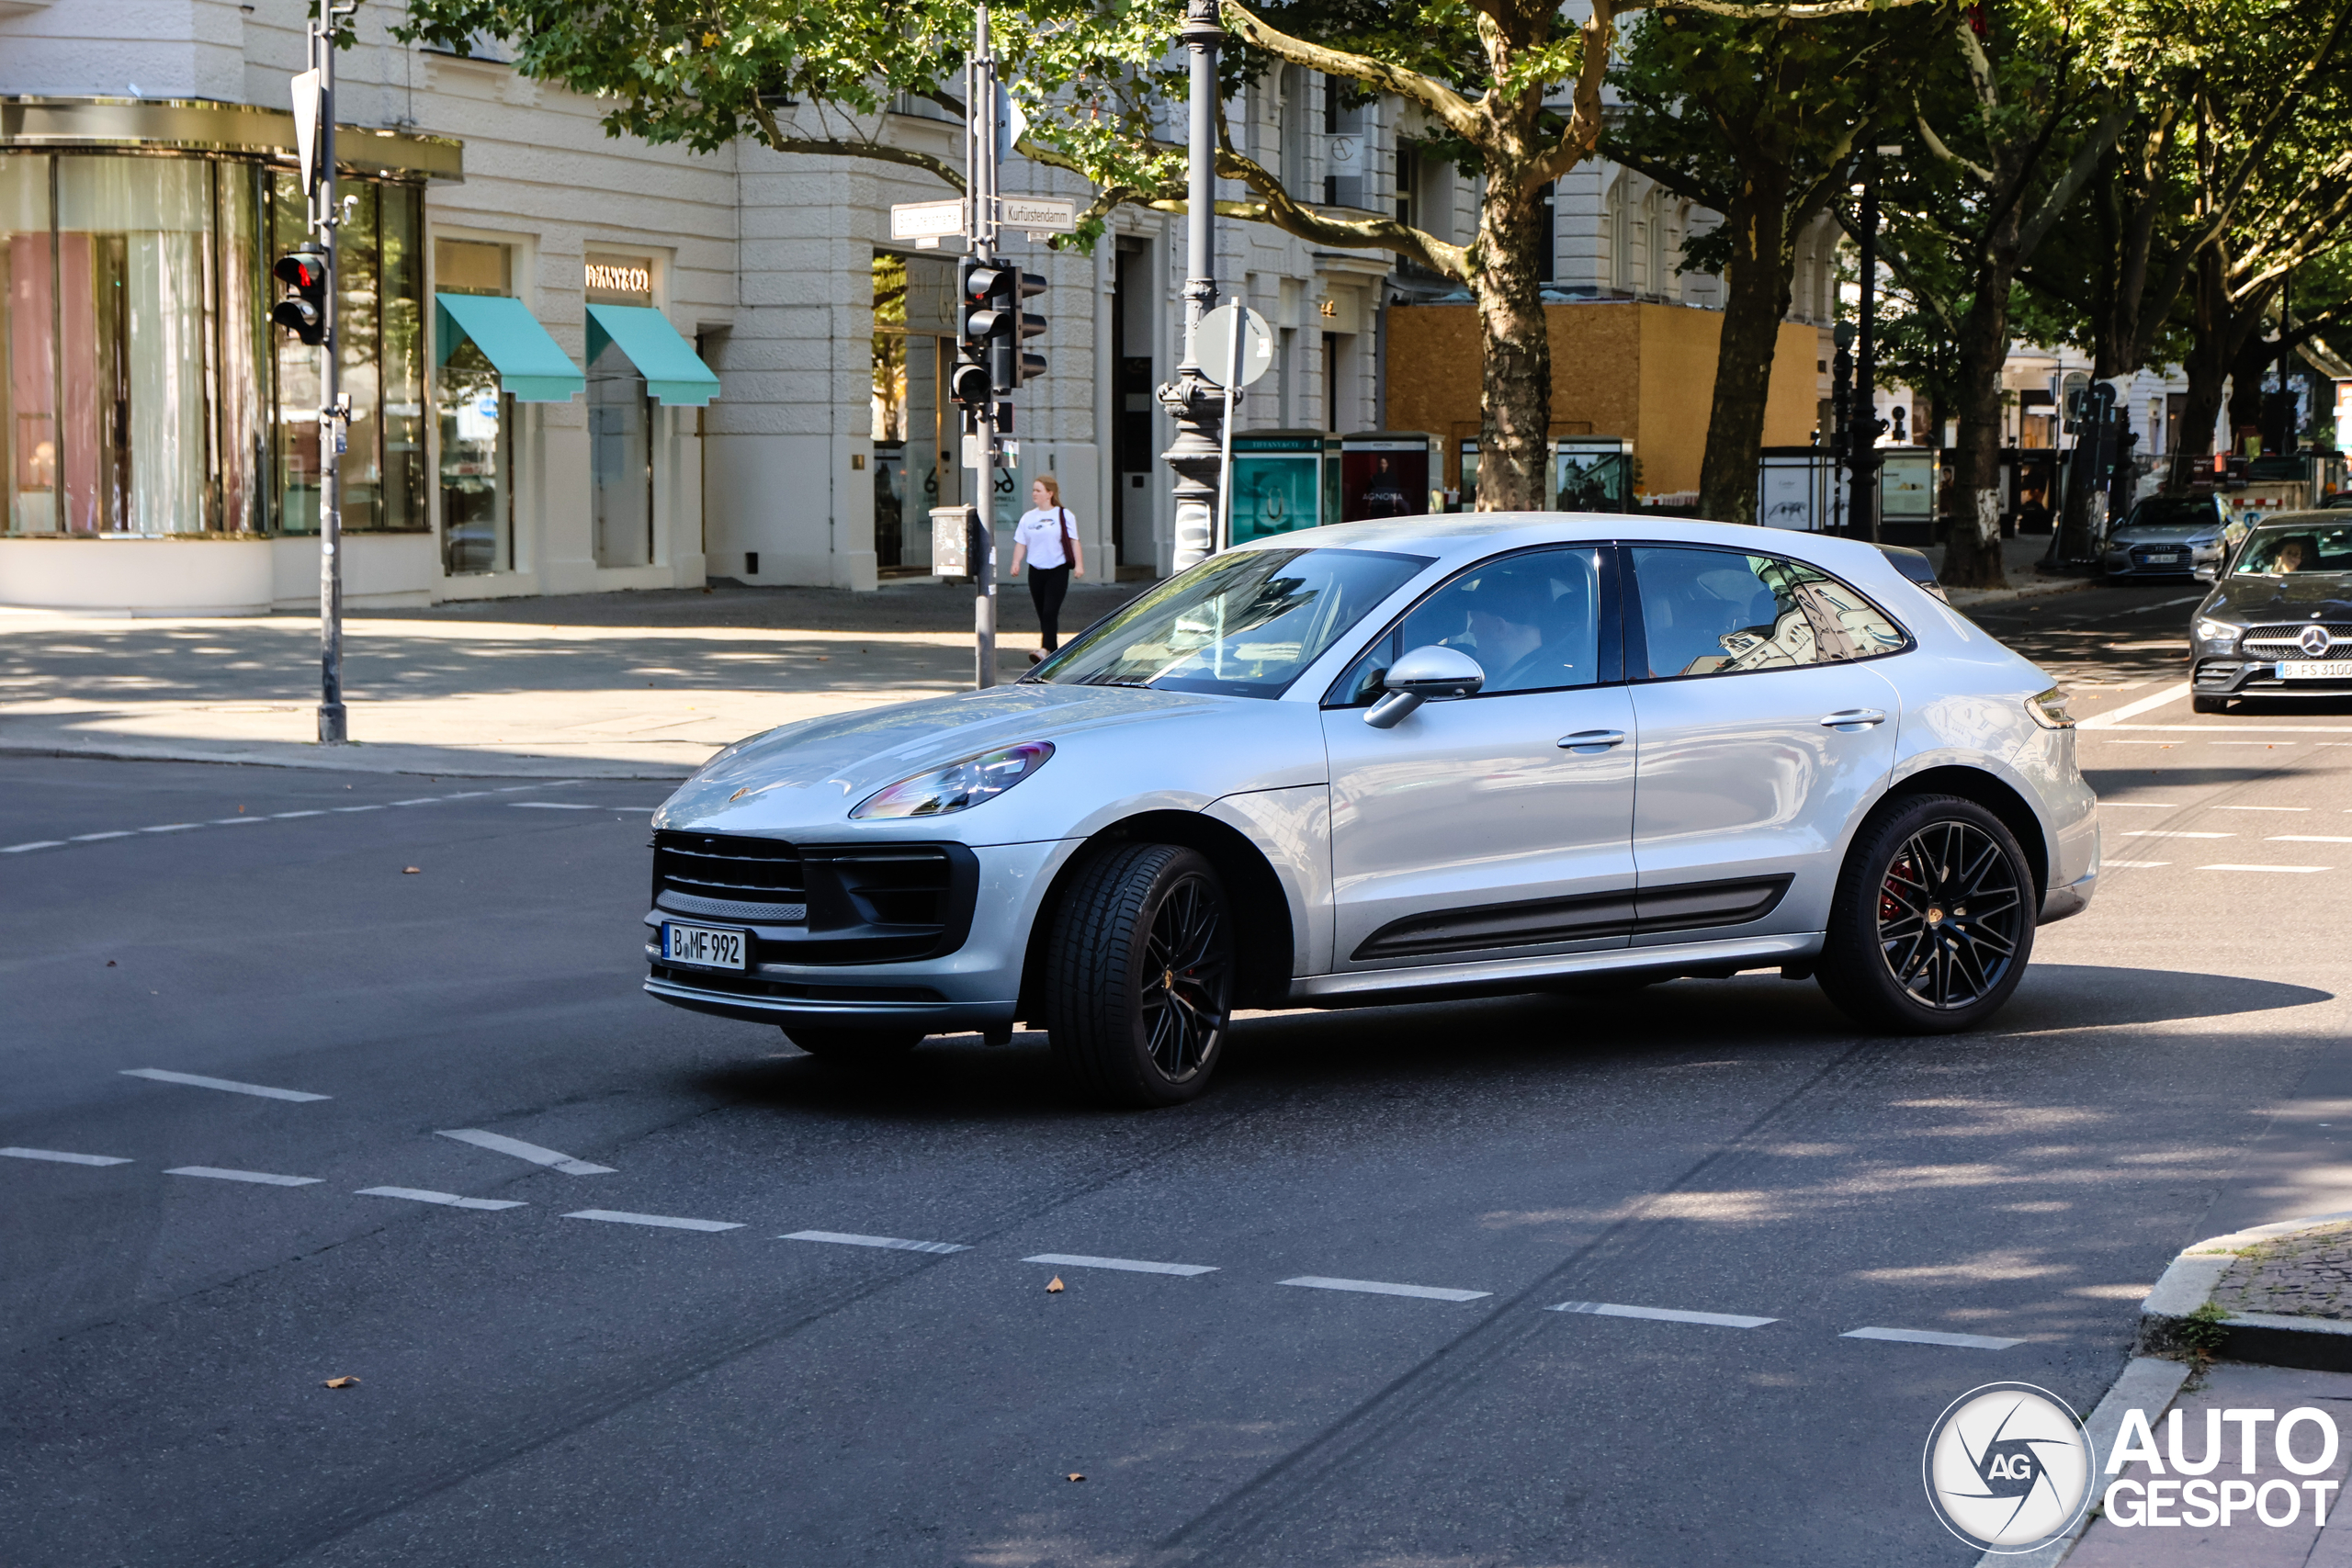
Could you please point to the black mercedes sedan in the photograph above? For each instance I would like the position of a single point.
(2279, 622)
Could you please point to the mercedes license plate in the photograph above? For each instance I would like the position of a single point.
(2314, 669)
(707, 947)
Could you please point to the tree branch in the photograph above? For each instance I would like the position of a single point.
(1276, 206)
(2079, 170)
(1936, 145)
(1582, 133)
(1459, 114)
(773, 137)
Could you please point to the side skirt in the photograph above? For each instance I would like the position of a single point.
(1506, 976)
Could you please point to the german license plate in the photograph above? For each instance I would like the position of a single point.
(2166, 560)
(706, 947)
(2314, 669)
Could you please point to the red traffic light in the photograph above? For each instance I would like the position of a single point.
(303, 312)
(304, 270)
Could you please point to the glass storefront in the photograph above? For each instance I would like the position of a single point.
(916, 429)
(141, 389)
(477, 427)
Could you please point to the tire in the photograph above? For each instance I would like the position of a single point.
(854, 1047)
(2199, 703)
(1137, 986)
(1906, 952)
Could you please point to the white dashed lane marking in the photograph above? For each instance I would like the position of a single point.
(895, 1243)
(1381, 1288)
(2306, 838)
(1129, 1265)
(2233, 866)
(2169, 833)
(1665, 1314)
(553, 1159)
(35, 845)
(2136, 864)
(666, 1222)
(242, 820)
(196, 1080)
(94, 838)
(550, 806)
(264, 1178)
(450, 1199)
(1932, 1336)
(64, 1159)
(2262, 808)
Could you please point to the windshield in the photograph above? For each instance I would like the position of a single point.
(2173, 511)
(1245, 624)
(2285, 548)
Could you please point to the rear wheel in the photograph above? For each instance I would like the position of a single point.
(2199, 703)
(1933, 920)
(857, 1046)
(1138, 991)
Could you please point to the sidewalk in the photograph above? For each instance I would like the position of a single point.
(2017, 558)
(611, 685)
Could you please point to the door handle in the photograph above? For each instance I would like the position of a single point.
(1853, 718)
(1593, 740)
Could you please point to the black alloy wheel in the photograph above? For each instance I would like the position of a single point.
(1137, 983)
(1933, 920)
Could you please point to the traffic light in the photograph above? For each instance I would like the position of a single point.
(968, 382)
(303, 312)
(995, 325)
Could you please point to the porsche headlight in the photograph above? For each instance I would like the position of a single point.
(2219, 632)
(2048, 709)
(958, 784)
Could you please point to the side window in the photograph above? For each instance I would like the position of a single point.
(1715, 612)
(1532, 621)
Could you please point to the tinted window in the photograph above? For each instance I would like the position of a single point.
(1532, 621)
(1244, 624)
(2173, 511)
(1714, 612)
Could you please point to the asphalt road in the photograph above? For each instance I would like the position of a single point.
(535, 1385)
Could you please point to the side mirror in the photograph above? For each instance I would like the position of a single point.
(1428, 674)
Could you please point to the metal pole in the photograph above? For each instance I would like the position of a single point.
(333, 727)
(1191, 397)
(1864, 425)
(1224, 541)
(981, 95)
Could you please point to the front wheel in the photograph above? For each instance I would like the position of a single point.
(1138, 989)
(1933, 920)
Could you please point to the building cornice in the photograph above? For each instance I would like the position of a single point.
(199, 125)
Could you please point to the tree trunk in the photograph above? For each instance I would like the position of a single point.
(2251, 360)
(1972, 550)
(2207, 367)
(1515, 362)
(1756, 299)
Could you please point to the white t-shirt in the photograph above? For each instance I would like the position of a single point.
(1041, 532)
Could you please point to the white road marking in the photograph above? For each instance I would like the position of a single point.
(1133, 1265)
(358, 808)
(2138, 864)
(2164, 604)
(196, 1080)
(263, 1177)
(551, 805)
(450, 1199)
(172, 828)
(282, 816)
(94, 838)
(236, 821)
(471, 794)
(553, 1159)
(2170, 833)
(36, 844)
(2266, 745)
(2306, 838)
(1665, 1314)
(895, 1243)
(2228, 866)
(2151, 804)
(1379, 1288)
(1932, 1336)
(615, 1216)
(64, 1159)
(2135, 708)
(287, 816)
(2262, 808)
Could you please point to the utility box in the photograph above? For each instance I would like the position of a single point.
(1283, 481)
(954, 530)
(1389, 473)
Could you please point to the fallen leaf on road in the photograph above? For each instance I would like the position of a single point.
(1074, 1476)
(1054, 1286)
(411, 870)
(341, 1382)
(110, 963)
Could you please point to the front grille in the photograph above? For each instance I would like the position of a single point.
(821, 903)
(2277, 640)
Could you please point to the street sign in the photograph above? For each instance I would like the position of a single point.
(1213, 348)
(1038, 214)
(306, 125)
(926, 219)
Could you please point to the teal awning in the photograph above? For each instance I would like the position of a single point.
(529, 364)
(674, 372)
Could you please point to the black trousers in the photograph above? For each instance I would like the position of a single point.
(1048, 584)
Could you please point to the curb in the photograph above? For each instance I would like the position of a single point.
(2175, 1319)
(2146, 1383)
(1969, 598)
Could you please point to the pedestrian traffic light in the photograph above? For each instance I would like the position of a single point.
(968, 382)
(303, 312)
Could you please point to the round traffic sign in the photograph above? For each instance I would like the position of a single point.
(1213, 349)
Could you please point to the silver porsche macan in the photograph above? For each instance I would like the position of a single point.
(1390, 761)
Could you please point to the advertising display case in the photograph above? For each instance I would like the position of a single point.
(1592, 473)
(1388, 473)
(1283, 481)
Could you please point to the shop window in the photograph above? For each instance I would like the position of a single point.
(621, 424)
(477, 423)
(915, 427)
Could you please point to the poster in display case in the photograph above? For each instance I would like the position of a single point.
(1283, 481)
(1592, 473)
(1386, 473)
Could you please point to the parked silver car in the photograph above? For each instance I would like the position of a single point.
(2171, 536)
(1394, 761)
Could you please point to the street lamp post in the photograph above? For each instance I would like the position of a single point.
(1862, 425)
(1196, 403)
(325, 218)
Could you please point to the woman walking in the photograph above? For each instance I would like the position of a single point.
(1047, 541)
